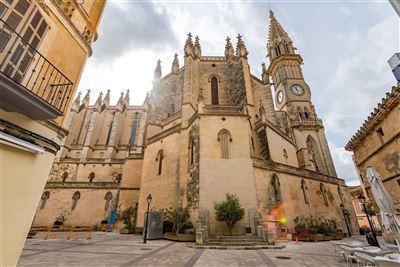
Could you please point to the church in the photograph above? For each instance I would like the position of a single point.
(207, 128)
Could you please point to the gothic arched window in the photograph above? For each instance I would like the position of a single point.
(300, 113)
(44, 198)
(214, 91)
(306, 113)
(192, 151)
(109, 131)
(64, 176)
(276, 186)
(132, 140)
(324, 194)
(304, 188)
(107, 198)
(314, 154)
(224, 138)
(159, 159)
(340, 193)
(75, 197)
(91, 177)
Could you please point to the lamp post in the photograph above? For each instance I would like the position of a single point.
(363, 200)
(345, 212)
(149, 198)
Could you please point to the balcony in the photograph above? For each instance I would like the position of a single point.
(29, 83)
(307, 124)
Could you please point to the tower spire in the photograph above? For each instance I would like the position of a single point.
(121, 98)
(86, 98)
(264, 74)
(241, 50)
(78, 99)
(197, 48)
(157, 71)
(106, 99)
(175, 64)
(279, 42)
(229, 52)
(126, 99)
(276, 32)
(189, 45)
(99, 99)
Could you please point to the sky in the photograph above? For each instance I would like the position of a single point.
(345, 46)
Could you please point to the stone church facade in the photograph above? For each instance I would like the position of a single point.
(206, 129)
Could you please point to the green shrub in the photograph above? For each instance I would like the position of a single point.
(179, 216)
(229, 211)
(167, 226)
(126, 217)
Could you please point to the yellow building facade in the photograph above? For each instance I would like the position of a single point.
(377, 144)
(207, 128)
(44, 46)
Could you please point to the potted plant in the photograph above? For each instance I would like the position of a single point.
(104, 224)
(60, 219)
(126, 217)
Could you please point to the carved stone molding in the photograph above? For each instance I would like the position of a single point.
(275, 166)
(97, 185)
(87, 35)
(173, 129)
(66, 6)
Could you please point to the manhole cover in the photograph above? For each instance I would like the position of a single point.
(283, 257)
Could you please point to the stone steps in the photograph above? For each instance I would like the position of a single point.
(238, 247)
(236, 242)
(231, 244)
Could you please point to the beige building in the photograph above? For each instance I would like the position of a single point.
(377, 144)
(44, 46)
(207, 128)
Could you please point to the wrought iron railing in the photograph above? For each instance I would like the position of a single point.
(21, 62)
(224, 109)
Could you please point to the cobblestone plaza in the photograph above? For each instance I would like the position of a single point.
(110, 249)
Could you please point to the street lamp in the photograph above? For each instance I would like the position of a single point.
(363, 200)
(345, 212)
(149, 199)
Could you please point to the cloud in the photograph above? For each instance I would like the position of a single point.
(129, 25)
(360, 79)
(344, 164)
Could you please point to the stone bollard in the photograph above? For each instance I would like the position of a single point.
(265, 235)
(259, 231)
(199, 238)
(205, 233)
(272, 236)
(197, 226)
(251, 221)
(256, 219)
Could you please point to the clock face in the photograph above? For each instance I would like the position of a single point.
(280, 97)
(297, 89)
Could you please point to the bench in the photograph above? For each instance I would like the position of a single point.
(70, 230)
(37, 228)
(81, 229)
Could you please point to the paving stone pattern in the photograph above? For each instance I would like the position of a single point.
(111, 249)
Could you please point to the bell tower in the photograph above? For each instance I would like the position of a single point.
(293, 96)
